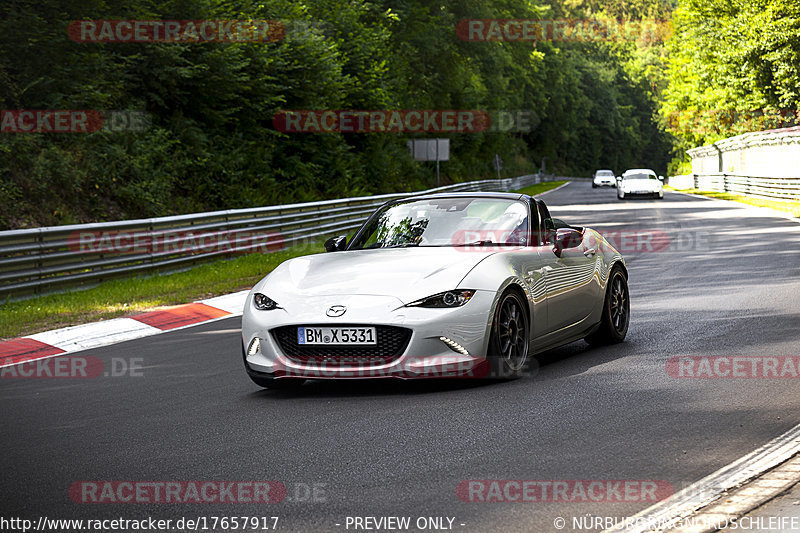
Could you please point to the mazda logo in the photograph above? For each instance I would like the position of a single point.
(336, 310)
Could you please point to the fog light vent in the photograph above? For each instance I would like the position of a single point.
(255, 346)
(453, 345)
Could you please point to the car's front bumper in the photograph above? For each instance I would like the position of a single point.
(602, 182)
(641, 194)
(426, 355)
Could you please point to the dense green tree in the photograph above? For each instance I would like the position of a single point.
(210, 142)
(734, 67)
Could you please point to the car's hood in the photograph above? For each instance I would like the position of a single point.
(407, 274)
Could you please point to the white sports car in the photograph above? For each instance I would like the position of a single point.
(604, 177)
(640, 182)
(445, 285)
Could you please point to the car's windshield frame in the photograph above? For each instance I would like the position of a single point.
(640, 176)
(359, 239)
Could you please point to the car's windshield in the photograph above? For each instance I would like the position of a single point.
(447, 222)
(640, 176)
(605, 173)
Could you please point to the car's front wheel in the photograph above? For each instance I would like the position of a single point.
(616, 311)
(508, 343)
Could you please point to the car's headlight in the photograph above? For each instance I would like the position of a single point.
(264, 303)
(455, 298)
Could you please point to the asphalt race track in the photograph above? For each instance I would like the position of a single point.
(727, 284)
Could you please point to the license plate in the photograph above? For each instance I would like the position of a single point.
(337, 336)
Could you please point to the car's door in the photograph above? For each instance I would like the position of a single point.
(570, 284)
(533, 274)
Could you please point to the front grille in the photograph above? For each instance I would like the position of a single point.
(391, 343)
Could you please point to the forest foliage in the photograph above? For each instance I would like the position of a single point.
(734, 67)
(210, 142)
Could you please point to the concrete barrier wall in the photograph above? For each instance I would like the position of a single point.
(769, 154)
(682, 182)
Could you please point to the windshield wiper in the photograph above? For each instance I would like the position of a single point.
(402, 245)
(484, 242)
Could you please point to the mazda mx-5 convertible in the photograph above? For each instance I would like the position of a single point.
(445, 285)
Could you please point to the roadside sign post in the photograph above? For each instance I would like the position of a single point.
(430, 150)
(498, 164)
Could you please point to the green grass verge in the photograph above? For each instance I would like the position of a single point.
(791, 207)
(130, 296)
(539, 188)
(125, 297)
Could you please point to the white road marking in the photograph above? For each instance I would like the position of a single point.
(683, 504)
(95, 334)
(232, 303)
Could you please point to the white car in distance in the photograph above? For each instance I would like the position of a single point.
(640, 182)
(604, 177)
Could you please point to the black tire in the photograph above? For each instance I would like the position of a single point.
(277, 384)
(508, 343)
(616, 311)
(594, 185)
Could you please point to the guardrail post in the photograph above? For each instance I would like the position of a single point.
(39, 264)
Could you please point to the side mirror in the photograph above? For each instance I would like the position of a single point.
(566, 238)
(661, 178)
(336, 244)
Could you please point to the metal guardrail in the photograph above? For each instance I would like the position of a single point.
(769, 188)
(40, 260)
